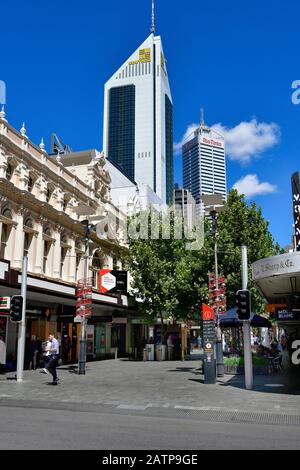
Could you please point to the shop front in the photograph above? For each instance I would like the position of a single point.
(51, 307)
(278, 280)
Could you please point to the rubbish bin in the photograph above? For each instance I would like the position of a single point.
(150, 352)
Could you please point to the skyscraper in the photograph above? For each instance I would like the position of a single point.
(185, 206)
(138, 118)
(204, 166)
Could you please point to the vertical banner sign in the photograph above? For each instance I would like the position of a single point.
(112, 281)
(209, 338)
(217, 297)
(296, 208)
(84, 294)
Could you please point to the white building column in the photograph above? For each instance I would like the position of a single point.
(56, 256)
(18, 251)
(3, 163)
(72, 264)
(39, 249)
(108, 262)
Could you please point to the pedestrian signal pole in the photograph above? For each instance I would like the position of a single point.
(246, 327)
(22, 324)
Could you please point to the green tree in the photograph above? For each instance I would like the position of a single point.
(241, 224)
(166, 276)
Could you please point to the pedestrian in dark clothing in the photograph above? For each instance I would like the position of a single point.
(35, 349)
(65, 347)
(54, 355)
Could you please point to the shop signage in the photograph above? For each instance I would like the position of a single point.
(275, 265)
(296, 208)
(119, 321)
(207, 312)
(4, 303)
(283, 314)
(102, 319)
(112, 281)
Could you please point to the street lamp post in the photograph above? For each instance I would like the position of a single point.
(84, 210)
(82, 341)
(219, 347)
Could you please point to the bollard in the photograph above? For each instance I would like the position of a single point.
(145, 354)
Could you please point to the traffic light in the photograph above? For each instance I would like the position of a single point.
(214, 227)
(16, 307)
(243, 301)
(87, 229)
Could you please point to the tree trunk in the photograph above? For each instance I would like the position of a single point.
(163, 331)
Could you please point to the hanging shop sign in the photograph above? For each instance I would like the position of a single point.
(112, 281)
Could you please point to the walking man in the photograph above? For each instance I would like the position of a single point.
(54, 356)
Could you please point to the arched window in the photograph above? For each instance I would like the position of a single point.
(63, 257)
(79, 255)
(48, 194)
(47, 250)
(115, 263)
(6, 232)
(30, 184)
(7, 213)
(9, 171)
(28, 235)
(97, 264)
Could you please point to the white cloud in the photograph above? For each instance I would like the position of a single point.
(244, 141)
(248, 139)
(178, 146)
(250, 186)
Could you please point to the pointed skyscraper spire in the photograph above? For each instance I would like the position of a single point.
(153, 18)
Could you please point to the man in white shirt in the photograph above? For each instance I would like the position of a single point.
(54, 354)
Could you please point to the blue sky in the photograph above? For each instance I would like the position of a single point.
(236, 59)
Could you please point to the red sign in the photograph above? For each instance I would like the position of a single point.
(112, 281)
(84, 294)
(207, 312)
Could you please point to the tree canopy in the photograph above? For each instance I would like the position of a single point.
(172, 281)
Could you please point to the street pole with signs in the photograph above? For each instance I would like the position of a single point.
(82, 341)
(84, 299)
(209, 363)
(213, 205)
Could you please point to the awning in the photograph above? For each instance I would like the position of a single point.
(230, 320)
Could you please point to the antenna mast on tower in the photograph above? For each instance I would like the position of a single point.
(202, 117)
(153, 19)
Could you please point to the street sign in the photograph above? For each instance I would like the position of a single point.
(78, 319)
(4, 303)
(84, 298)
(111, 280)
(207, 312)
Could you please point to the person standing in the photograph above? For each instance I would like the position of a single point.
(35, 349)
(54, 356)
(170, 347)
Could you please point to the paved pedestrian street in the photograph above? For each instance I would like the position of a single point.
(122, 404)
